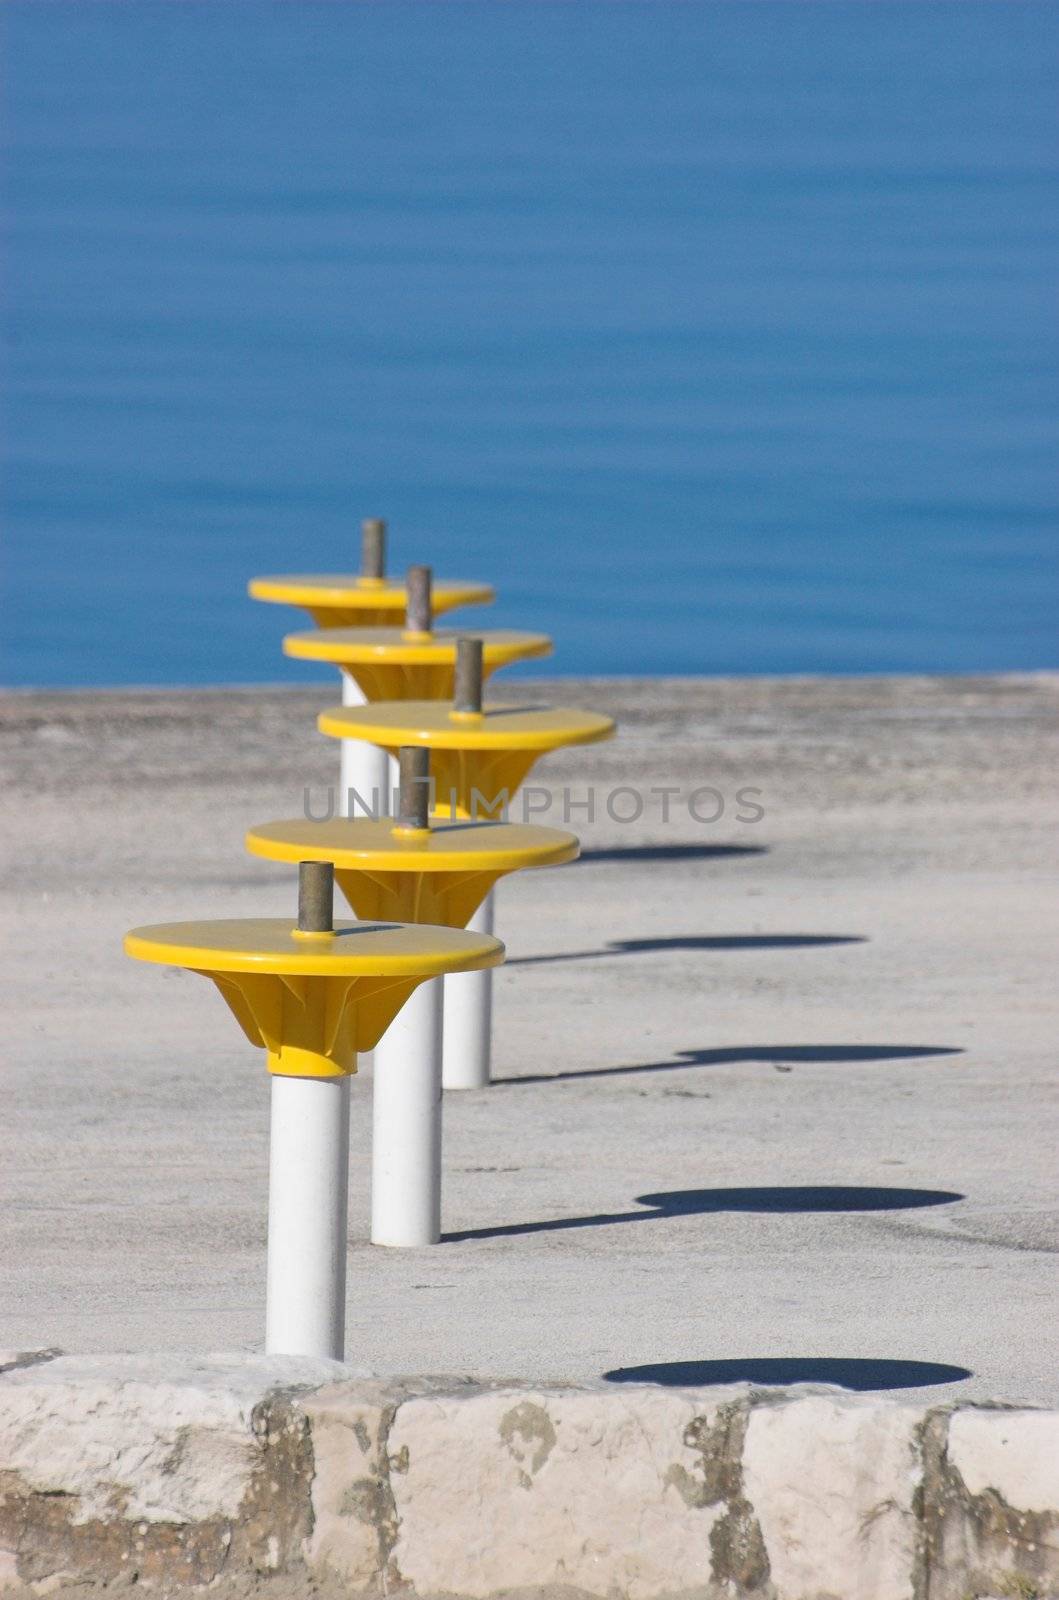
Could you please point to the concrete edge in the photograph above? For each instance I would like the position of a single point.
(252, 1475)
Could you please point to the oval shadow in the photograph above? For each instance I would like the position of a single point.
(808, 1197)
(754, 1054)
(732, 941)
(846, 1372)
(671, 852)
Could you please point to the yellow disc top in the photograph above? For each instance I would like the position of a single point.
(355, 949)
(368, 645)
(497, 847)
(434, 724)
(348, 592)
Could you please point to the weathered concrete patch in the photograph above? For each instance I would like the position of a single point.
(10, 1359)
(154, 1468)
(354, 1516)
(991, 1514)
(302, 1481)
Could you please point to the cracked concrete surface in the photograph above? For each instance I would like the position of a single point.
(776, 1098)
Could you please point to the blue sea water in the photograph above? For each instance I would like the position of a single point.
(721, 337)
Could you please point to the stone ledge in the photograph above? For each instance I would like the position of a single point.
(258, 1476)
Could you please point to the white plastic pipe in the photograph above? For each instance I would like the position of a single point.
(362, 767)
(365, 771)
(469, 1017)
(406, 1123)
(308, 1202)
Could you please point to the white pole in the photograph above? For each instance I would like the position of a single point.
(469, 1016)
(406, 1126)
(308, 1202)
(368, 771)
(363, 767)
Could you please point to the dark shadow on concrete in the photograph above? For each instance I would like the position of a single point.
(794, 1197)
(672, 852)
(766, 1054)
(507, 709)
(847, 1372)
(696, 941)
(704, 1202)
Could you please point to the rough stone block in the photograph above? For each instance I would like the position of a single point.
(1013, 1453)
(252, 1476)
(832, 1483)
(354, 1522)
(153, 1467)
(991, 1515)
(633, 1493)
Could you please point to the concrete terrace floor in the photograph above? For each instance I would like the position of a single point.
(777, 1097)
